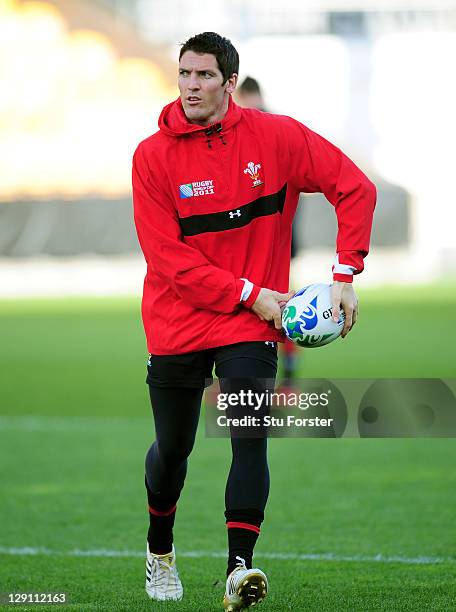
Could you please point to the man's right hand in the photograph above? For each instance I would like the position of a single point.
(268, 305)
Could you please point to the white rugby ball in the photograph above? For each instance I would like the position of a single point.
(307, 317)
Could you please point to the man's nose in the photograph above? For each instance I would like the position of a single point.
(193, 82)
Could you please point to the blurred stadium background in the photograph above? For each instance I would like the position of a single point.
(371, 523)
(83, 82)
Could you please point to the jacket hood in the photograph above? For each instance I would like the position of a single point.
(172, 120)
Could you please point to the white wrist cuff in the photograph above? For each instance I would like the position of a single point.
(339, 268)
(248, 286)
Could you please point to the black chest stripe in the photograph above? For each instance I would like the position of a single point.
(237, 217)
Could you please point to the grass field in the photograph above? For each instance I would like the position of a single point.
(351, 524)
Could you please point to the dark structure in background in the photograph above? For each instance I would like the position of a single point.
(105, 227)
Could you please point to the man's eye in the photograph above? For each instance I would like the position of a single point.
(183, 72)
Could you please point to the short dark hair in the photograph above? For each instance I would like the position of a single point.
(210, 42)
(250, 85)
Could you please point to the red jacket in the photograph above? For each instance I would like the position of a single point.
(214, 205)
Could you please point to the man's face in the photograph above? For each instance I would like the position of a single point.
(204, 97)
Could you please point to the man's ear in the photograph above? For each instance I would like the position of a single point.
(231, 83)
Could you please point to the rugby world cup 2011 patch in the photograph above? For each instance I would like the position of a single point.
(198, 188)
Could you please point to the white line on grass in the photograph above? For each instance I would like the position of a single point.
(102, 552)
(70, 423)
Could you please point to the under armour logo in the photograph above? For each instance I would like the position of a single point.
(235, 213)
(270, 343)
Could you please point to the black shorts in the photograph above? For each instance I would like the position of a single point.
(194, 370)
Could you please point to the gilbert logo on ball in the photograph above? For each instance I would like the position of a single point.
(307, 317)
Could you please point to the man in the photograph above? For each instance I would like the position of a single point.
(215, 191)
(249, 94)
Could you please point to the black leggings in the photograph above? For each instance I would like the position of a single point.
(176, 414)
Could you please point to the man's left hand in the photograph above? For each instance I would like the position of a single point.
(344, 295)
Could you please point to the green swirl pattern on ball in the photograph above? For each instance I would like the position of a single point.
(294, 332)
(292, 327)
(311, 340)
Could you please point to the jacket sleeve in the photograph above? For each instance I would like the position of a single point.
(185, 269)
(319, 166)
